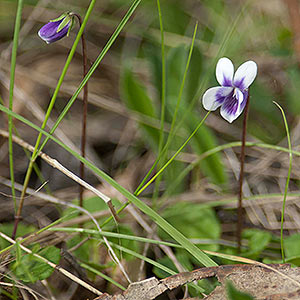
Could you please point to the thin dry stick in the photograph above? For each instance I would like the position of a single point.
(54, 266)
(85, 104)
(241, 179)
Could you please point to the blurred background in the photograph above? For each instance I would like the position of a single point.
(197, 193)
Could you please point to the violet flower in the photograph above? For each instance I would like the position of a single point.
(232, 95)
(56, 29)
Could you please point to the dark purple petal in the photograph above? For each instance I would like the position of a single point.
(220, 98)
(243, 104)
(240, 83)
(231, 107)
(49, 32)
(231, 104)
(227, 81)
(214, 97)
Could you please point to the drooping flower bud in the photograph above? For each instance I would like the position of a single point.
(56, 29)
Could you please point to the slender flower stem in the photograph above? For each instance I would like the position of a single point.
(241, 177)
(84, 109)
(172, 132)
(52, 102)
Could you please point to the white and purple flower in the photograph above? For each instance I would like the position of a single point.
(56, 29)
(232, 95)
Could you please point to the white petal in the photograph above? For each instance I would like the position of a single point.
(239, 95)
(230, 117)
(245, 75)
(213, 97)
(224, 71)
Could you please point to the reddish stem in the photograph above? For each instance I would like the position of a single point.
(84, 109)
(241, 177)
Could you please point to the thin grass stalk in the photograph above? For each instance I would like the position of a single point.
(11, 97)
(84, 109)
(50, 107)
(163, 100)
(240, 221)
(35, 167)
(287, 179)
(104, 276)
(174, 156)
(171, 134)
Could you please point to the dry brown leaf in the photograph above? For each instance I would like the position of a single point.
(262, 283)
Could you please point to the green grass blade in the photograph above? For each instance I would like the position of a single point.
(97, 272)
(174, 156)
(171, 134)
(287, 179)
(11, 96)
(163, 82)
(163, 101)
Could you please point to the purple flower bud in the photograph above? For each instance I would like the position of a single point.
(51, 32)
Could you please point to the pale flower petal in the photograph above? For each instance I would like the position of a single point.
(214, 97)
(239, 95)
(224, 71)
(245, 75)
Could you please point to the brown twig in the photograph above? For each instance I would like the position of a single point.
(241, 177)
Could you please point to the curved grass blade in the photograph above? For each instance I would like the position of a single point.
(287, 179)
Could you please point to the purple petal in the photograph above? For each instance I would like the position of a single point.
(214, 97)
(231, 107)
(243, 104)
(49, 32)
